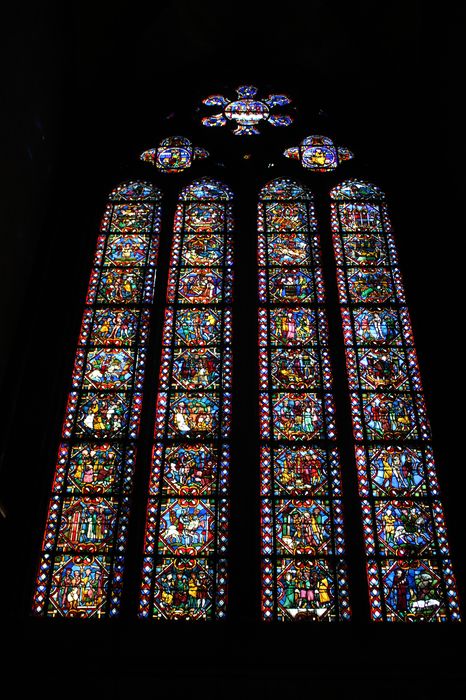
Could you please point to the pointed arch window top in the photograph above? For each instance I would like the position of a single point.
(319, 153)
(206, 188)
(284, 188)
(356, 189)
(174, 154)
(135, 190)
(85, 539)
(247, 111)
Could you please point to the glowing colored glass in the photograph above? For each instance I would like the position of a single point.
(174, 154)
(184, 575)
(247, 111)
(82, 562)
(318, 153)
(408, 567)
(303, 570)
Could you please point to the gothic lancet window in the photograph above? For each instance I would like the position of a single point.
(183, 561)
(82, 564)
(408, 567)
(184, 574)
(303, 571)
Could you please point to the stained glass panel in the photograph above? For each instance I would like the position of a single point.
(408, 566)
(303, 568)
(173, 154)
(186, 539)
(318, 153)
(247, 111)
(82, 564)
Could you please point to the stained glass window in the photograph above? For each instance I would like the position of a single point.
(319, 153)
(247, 111)
(408, 567)
(303, 570)
(185, 547)
(174, 154)
(81, 569)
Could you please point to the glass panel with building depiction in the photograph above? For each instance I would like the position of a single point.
(408, 566)
(303, 569)
(185, 547)
(82, 563)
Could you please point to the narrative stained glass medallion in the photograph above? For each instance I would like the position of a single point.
(186, 539)
(174, 154)
(319, 154)
(409, 571)
(247, 111)
(303, 566)
(83, 553)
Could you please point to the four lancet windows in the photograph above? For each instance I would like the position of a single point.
(186, 553)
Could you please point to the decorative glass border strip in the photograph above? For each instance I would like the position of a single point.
(408, 567)
(186, 540)
(82, 563)
(303, 569)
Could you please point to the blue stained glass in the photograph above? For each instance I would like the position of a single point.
(207, 189)
(300, 473)
(247, 111)
(357, 189)
(186, 541)
(318, 153)
(409, 573)
(173, 154)
(135, 190)
(82, 564)
(283, 188)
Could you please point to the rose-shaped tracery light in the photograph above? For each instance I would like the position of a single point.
(319, 153)
(174, 154)
(247, 111)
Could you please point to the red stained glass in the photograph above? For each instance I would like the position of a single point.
(82, 563)
(300, 473)
(408, 567)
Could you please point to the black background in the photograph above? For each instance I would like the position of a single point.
(87, 89)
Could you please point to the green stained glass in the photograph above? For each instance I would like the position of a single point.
(408, 567)
(303, 567)
(186, 538)
(83, 555)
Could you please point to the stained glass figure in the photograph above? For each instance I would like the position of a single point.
(408, 563)
(247, 111)
(303, 567)
(319, 153)
(174, 154)
(82, 563)
(184, 574)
